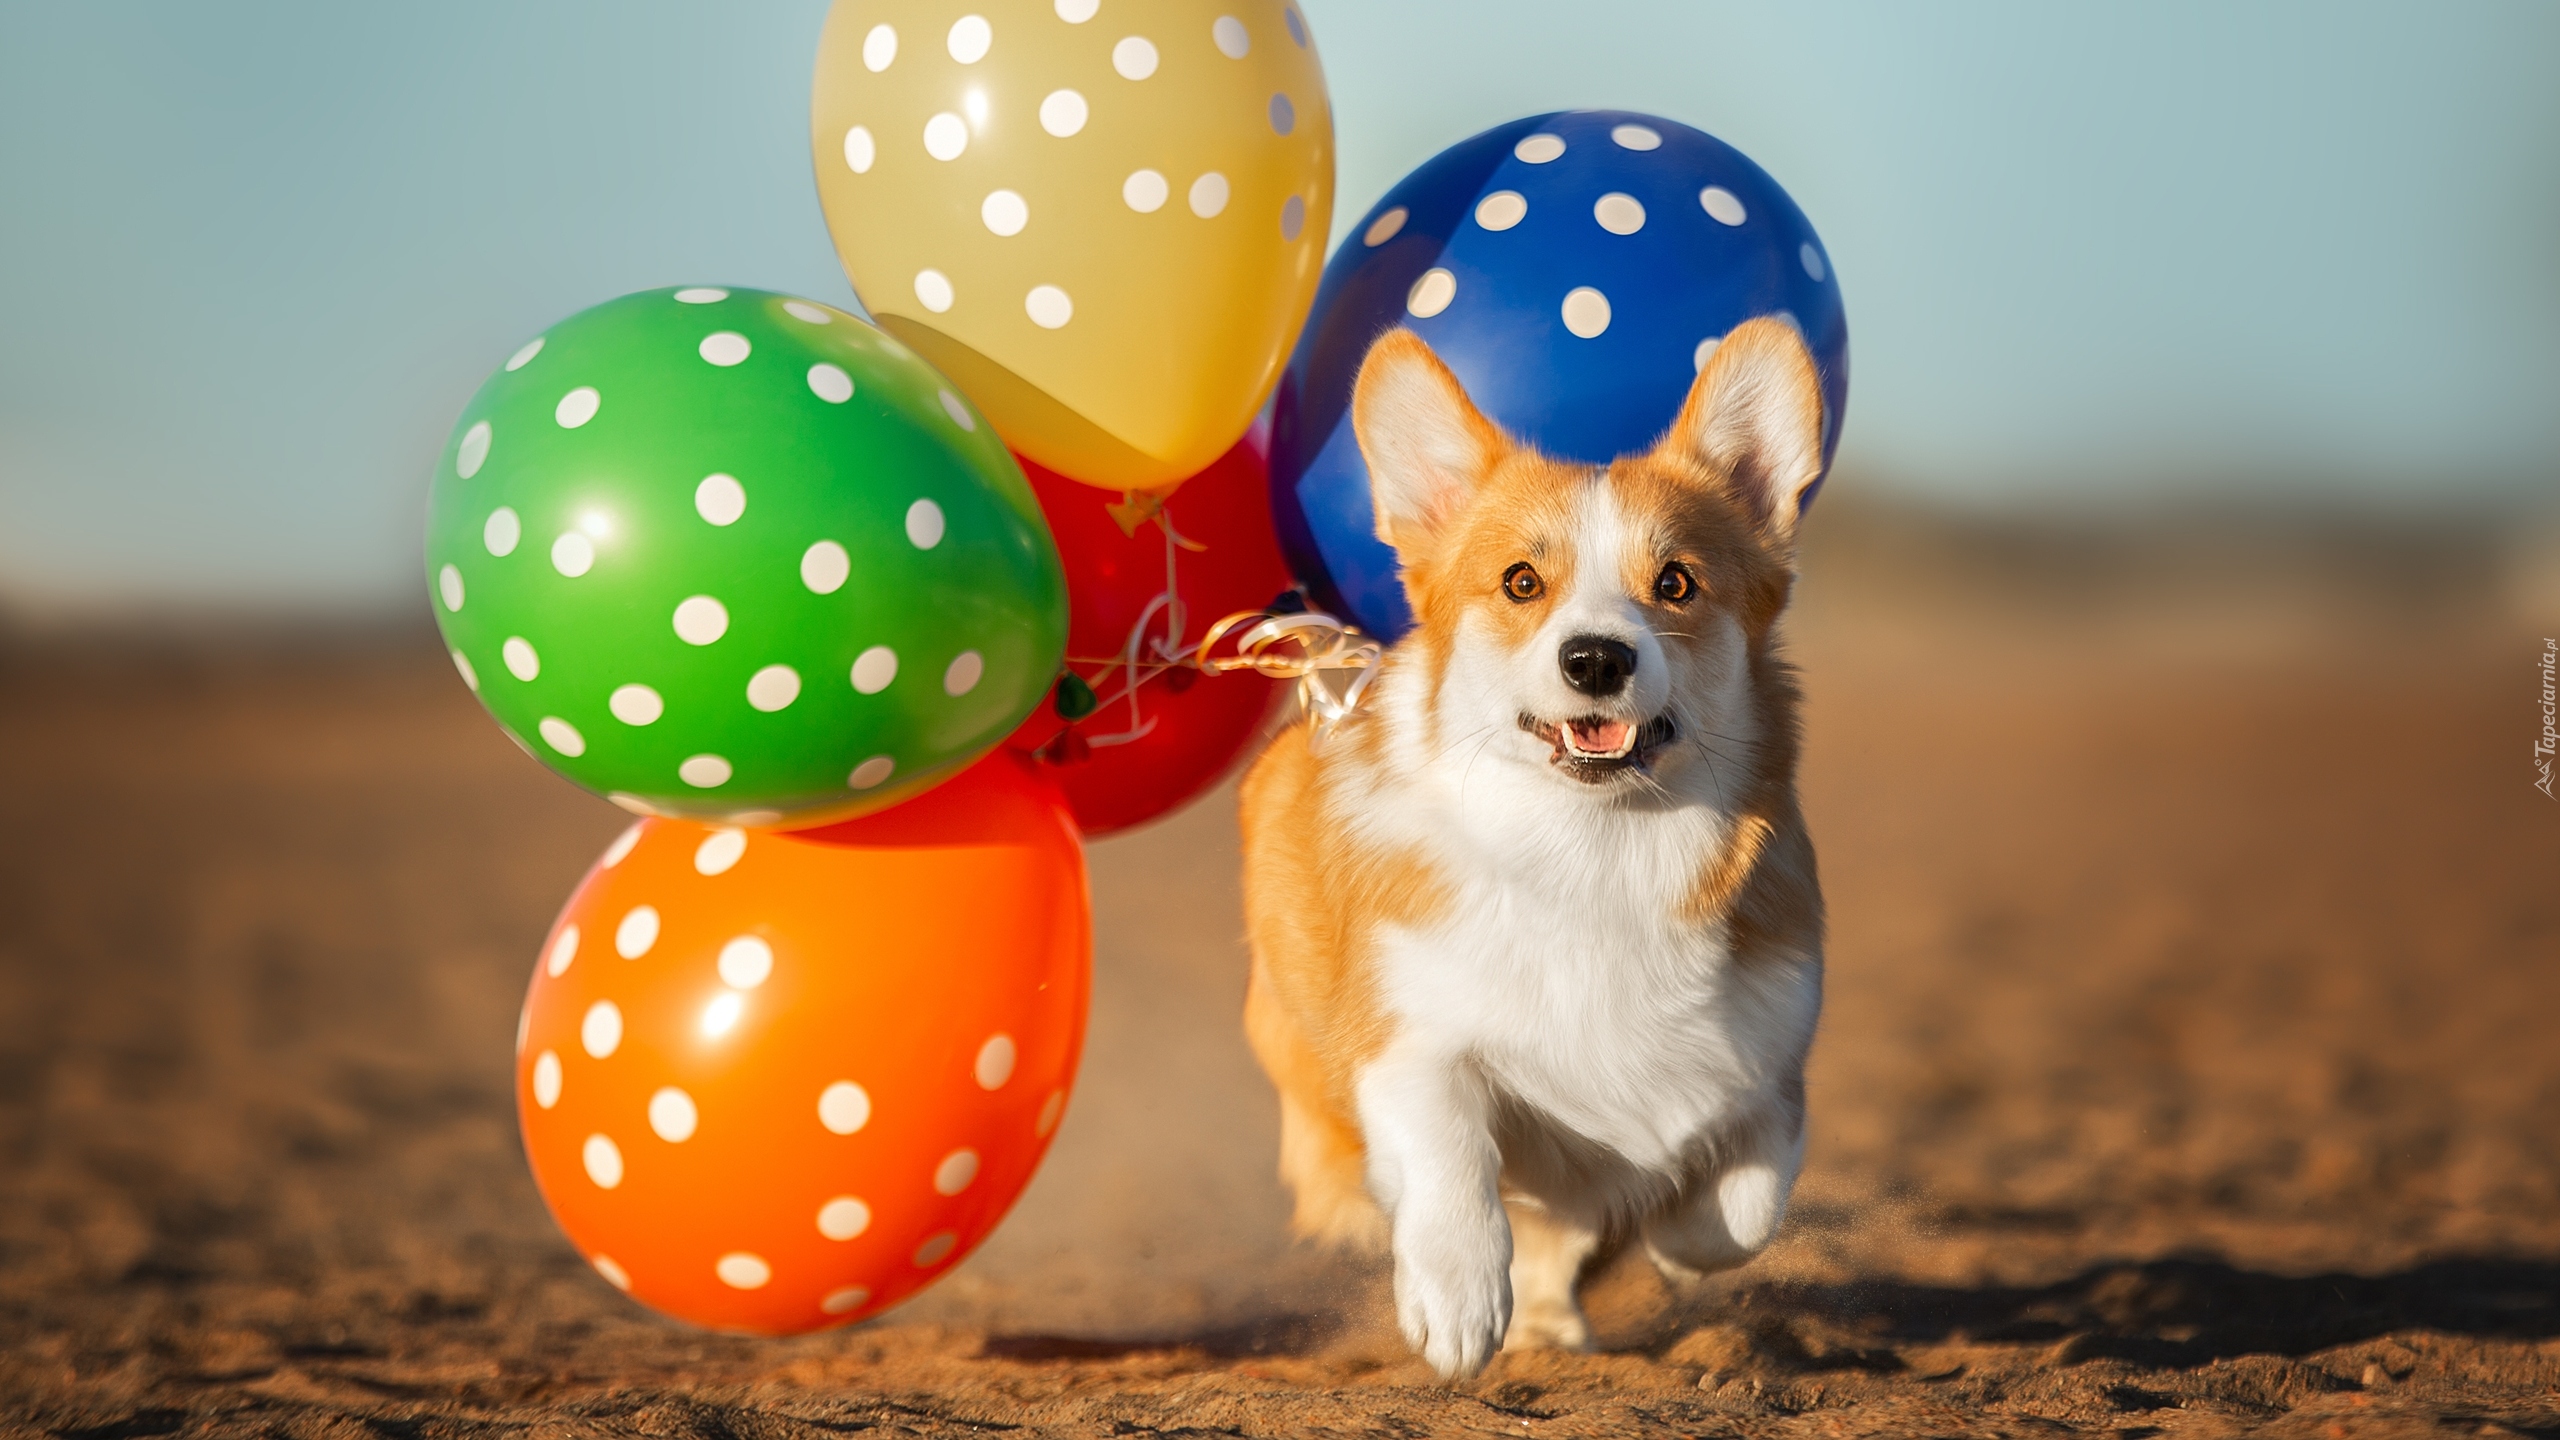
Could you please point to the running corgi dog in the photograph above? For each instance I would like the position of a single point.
(1537, 937)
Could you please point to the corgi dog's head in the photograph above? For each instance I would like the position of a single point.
(1605, 626)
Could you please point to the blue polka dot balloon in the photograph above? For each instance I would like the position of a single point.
(1575, 270)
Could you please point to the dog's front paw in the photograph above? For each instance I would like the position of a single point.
(1453, 1297)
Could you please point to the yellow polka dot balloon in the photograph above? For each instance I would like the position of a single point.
(1104, 218)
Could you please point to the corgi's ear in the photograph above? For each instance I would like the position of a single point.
(1753, 420)
(1427, 445)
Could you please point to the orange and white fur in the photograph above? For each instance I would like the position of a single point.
(1537, 938)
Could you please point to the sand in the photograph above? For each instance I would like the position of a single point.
(2189, 1065)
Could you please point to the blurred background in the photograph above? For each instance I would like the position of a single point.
(2171, 631)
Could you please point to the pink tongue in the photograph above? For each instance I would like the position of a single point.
(1600, 737)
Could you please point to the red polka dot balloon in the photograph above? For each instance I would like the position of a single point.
(771, 1082)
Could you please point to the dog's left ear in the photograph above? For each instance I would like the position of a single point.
(1753, 420)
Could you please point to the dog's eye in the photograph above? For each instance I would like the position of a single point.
(1521, 583)
(1675, 585)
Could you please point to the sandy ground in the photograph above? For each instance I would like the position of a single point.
(2190, 1064)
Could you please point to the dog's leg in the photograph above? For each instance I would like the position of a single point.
(1547, 1255)
(1435, 1168)
(1731, 1217)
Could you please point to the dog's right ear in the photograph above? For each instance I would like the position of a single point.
(1426, 443)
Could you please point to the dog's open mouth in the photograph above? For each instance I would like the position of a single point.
(1592, 747)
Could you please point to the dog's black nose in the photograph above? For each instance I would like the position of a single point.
(1596, 664)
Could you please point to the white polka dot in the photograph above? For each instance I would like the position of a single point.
(956, 1171)
(860, 150)
(672, 1115)
(851, 1297)
(969, 38)
(562, 736)
(1706, 349)
(1134, 57)
(1812, 259)
(546, 1079)
(632, 803)
(473, 452)
(524, 357)
(740, 1270)
(700, 620)
(704, 772)
(844, 1107)
(1539, 149)
(995, 1062)
(933, 290)
(1431, 294)
(1586, 311)
(1283, 115)
(1144, 191)
(1064, 113)
(462, 663)
(522, 663)
(1723, 205)
(577, 407)
(1076, 12)
(615, 853)
(719, 851)
(879, 48)
(637, 932)
(824, 567)
(773, 688)
(1502, 209)
(502, 531)
(1619, 213)
(1293, 217)
(564, 952)
(1637, 137)
(720, 499)
(745, 962)
(843, 1218)
(1384, 228)
(871, 772)
(1297, 27)
(958, 410)
(1229, 35)
(758, 818)
(936, 1248)
(573, 554)
(803, 310)
(604, 1162)
(1004, 212)
(449, 585)
(724, 348)
(830, 384)
(600, 1033)
(614, 1275)
(874, 669)
(635, 704)
(721, 1015)
(1048, 306)
(1209, 195)
(962, 675)
(1050, 1110)
(702, 295)
(945, 136)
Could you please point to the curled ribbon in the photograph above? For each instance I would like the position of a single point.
(1332, 662)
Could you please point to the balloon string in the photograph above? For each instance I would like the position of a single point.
(1142, 659)
(1333, 663)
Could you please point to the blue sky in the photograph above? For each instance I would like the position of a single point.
(253, 257)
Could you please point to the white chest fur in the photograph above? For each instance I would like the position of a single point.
(1564, 967)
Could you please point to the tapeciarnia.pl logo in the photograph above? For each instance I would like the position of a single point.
(2550, 738)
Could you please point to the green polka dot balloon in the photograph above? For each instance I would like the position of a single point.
(729, 554)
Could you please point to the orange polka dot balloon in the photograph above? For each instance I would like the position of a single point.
(771, 1082)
